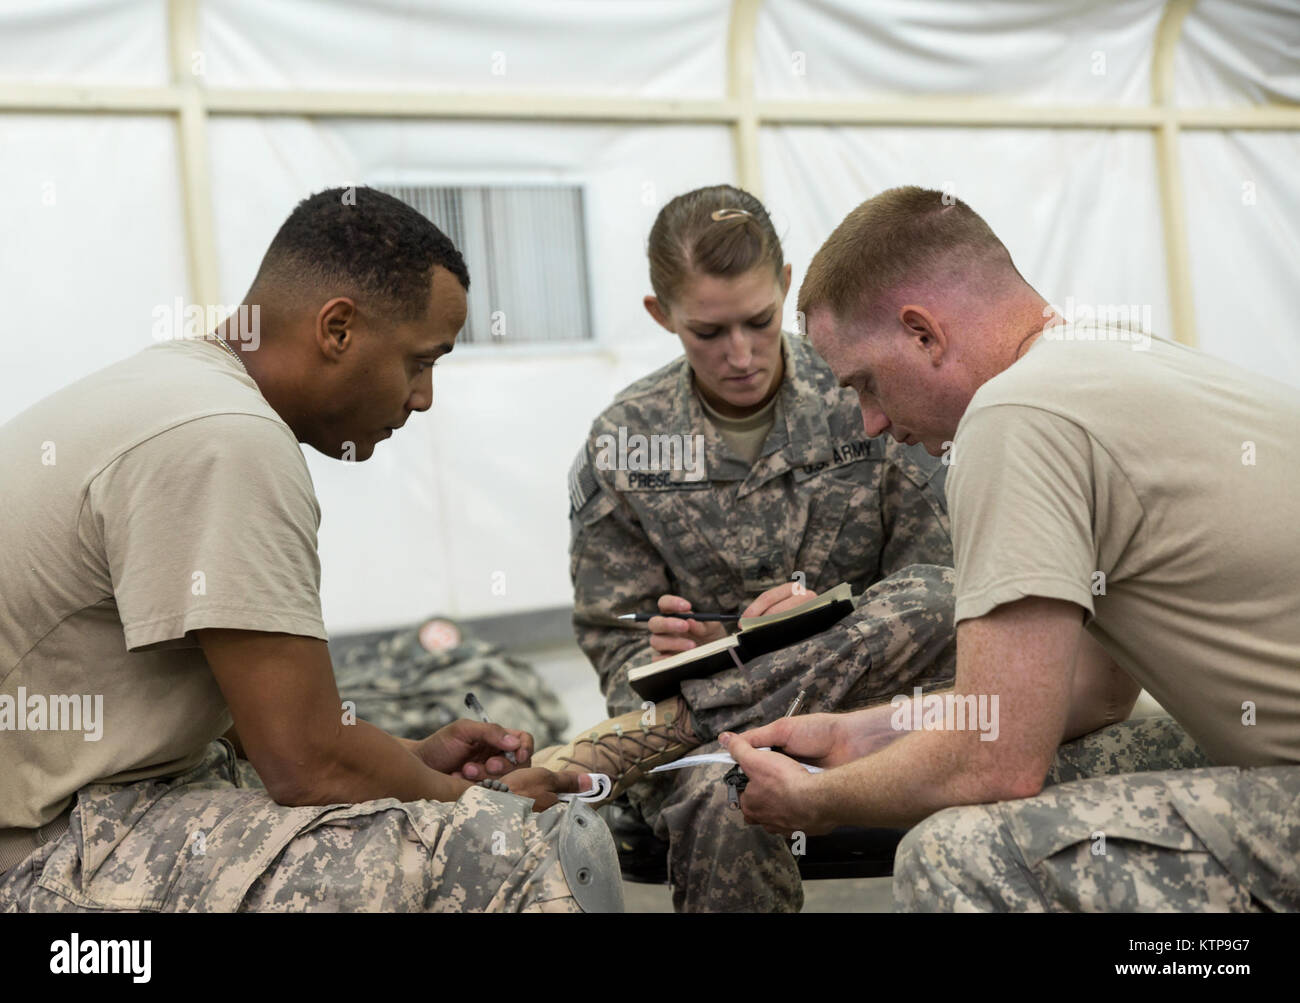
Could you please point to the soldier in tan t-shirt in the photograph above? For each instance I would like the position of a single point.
(162, 614)
(1123, 515)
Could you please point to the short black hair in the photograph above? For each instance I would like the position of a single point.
(364, 239)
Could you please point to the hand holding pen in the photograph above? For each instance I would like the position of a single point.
(676, 627)
(471, 701)
(736, 779)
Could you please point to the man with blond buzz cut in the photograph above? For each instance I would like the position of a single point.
(1123, 516)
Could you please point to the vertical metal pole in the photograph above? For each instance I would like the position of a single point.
(195, 164)
(740, 88)
(1170, 174)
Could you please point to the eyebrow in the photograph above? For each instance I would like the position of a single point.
(440, 349)
(713, 323)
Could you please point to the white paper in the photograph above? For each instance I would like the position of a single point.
(717, 757)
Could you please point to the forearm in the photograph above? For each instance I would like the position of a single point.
(869, 730)
(364, 763)
(908, 780)
(1016, 665)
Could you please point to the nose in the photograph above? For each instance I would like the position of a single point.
(422, 398)
(740, 353)
(874, 421)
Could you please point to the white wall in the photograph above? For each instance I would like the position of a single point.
(473, 494)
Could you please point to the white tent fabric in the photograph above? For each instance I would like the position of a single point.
(1060, 52)
(649, 48)
(1065, 243)
(64, 41)
(464, 511)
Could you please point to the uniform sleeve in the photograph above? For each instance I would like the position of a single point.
(615, 569)
(1020, 490)
(211, 524)
(914, 519)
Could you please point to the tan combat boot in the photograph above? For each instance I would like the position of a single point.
(624, 748)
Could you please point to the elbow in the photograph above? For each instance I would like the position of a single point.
(297, 782)
(294, 793)
(289, 788)
(1021, 785)
(1006, 782)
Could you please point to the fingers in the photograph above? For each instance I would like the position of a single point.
(779, 598)
(668, 640)
(792, 602)
(776, 733)
(549, 784)
(766, 600)
(485, 733)
(568, 783)
(668, 629)
(740, 750)
(524, 750)
(674, 604)
(671, 634)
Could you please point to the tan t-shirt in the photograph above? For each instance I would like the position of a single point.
(1168, 479)
(745, 435)
(155, 497)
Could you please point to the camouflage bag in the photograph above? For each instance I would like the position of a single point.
(400, 686)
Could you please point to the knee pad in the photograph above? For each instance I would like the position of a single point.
(589, 860)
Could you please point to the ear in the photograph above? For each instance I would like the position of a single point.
(785, 279)
(334, 334)
(656, 310)
(924, 331)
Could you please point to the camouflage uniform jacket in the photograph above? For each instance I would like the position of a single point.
(823, 499)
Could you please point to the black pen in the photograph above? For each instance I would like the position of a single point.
(702, 617)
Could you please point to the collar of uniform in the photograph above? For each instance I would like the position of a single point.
(801, 435)
(720, 461)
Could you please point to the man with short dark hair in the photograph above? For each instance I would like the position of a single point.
(1123, 515)
(160, 571)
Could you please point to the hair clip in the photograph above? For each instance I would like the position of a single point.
(718, 215)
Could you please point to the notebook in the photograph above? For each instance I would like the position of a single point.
(758, 635)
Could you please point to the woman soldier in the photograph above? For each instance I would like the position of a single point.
(786, 498)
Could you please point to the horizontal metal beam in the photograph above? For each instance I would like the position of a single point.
(39, 98)
(931, 111)
(399, 104)
(55, 98)
(1260, 116)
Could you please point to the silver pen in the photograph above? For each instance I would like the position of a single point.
(471, 701)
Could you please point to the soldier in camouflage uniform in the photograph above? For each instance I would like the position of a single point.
(211, 840)
(1101, 842)
(822, 503)
(397, 684)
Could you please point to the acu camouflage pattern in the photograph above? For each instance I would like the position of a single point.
(899, 637)
(822, 499)
(209, 842)
(408, 691)
(1187, 837)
